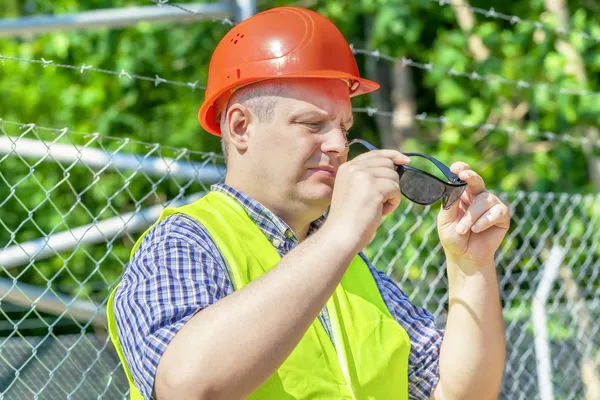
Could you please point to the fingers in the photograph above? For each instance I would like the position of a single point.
(498, 216)
(379, 164)
(384, 180)
(475, 183)
(385, 173)
(372, 162)
(478, 207)
(459, 166)
(377, 172)
(397, 157)
(447, 217)
(485, 211)
(384, 184)
(391, 196)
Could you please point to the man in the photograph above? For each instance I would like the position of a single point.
(252, 293)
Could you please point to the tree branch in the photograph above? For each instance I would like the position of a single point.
(576, 67)
(466, 21)
(589, 373)
(396, 93)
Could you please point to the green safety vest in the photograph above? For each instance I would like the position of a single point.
(368, 358)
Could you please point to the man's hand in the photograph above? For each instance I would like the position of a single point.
(366, 189)
(473, 228)
(470, 232)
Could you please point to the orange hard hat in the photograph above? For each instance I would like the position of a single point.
(284, 42)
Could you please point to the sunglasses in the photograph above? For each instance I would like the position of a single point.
(421, 187)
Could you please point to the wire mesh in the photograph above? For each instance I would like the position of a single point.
(474, 75)
(54, 351)
(408, 249)
(68, 220)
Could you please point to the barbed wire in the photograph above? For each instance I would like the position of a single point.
(422, 117)
(429, 67)
(473, 75)
(224, 21)
(370, 111)
(513, 19)
(123, 73)
(441, 120)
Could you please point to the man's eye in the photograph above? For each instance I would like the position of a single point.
(313, 125)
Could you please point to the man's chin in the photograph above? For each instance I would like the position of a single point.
(319, 194)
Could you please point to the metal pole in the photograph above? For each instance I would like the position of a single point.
(111, 18)
(45, 300)
(94, 233)
(98, 159)
(540, 323)
(244, 9)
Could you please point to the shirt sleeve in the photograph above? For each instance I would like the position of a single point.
(176, 272)
(425, 336)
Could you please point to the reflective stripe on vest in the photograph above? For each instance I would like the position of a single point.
(370, 357)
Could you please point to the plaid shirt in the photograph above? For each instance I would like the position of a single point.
(178, 271)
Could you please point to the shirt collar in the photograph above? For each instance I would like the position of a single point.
(274, 228)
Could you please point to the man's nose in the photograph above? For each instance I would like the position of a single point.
(335, 142)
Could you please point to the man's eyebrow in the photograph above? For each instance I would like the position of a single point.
(310, 113)
(322, 114)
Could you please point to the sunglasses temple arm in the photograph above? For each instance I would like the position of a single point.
(363, 142)
(449, 174)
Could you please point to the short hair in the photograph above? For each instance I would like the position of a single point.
(260, 97)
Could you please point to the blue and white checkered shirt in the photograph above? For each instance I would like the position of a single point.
(178, 271)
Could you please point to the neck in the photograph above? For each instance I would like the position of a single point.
(298, 226)
(297, 216)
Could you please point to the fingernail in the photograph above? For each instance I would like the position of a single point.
(461, 229)
(475, 229)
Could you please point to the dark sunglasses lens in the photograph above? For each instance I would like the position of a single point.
(420, 188)
(453, 195)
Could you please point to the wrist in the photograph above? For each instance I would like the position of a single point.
(465, 267)
(467, 263)
(338, 239)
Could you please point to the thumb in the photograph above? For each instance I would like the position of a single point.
(447, 217)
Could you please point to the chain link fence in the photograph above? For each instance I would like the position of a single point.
(72, 205)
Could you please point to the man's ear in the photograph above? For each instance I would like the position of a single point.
(239, 118)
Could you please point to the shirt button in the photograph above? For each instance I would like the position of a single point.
(276, 242)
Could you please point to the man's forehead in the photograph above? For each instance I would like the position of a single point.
(331, 103)
(315, 89)
(311, 110)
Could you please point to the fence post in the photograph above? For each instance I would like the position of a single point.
(244, 9)
(111, 18)
(540, 323)
(51, 152)
(92, 233)
(43, 299)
